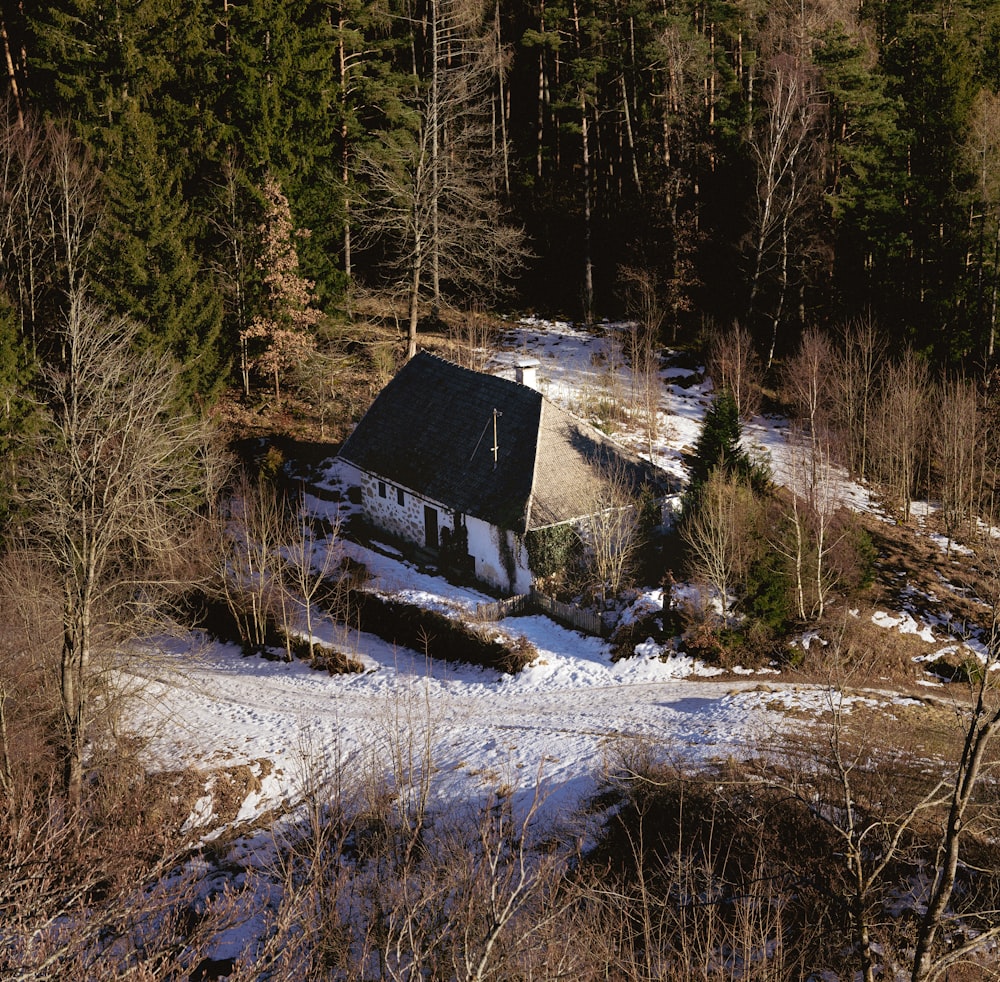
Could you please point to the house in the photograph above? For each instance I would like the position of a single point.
(469, 466)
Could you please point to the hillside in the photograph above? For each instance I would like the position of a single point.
(546, 741)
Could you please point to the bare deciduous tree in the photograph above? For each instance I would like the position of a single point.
(900, 428)
(806, 380)
(888, 816)
(429, 199)
(960, 453)
(49, 214)
(611, 533)
(870, 814)
(475, 338)
(720, 535)
(252, 567)
(784, 146)
(855, 379)
(24, 231)
(642, 347)
(815, 493)
(110, 491)
(735, 367)
(313, 551)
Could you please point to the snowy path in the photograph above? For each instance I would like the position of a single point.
(561, 718)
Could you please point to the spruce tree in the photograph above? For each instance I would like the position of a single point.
(718, 442)
(152, 270)
(718, 449)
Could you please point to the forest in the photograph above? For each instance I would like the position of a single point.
(782, 164)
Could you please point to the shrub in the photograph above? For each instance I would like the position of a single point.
(852, 559)
(439, 636)
(323, 657)
(767, 600)
(552, 550)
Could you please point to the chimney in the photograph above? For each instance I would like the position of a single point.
(527, 372)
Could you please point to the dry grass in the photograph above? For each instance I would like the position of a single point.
(359, 359)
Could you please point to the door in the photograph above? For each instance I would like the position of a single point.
(430, 527)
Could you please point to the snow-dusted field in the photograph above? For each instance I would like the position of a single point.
(560, 721)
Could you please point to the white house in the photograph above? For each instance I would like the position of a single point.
(467, 465)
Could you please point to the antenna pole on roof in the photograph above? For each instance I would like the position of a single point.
(496, 447)
(496, 412)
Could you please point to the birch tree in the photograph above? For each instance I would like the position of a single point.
(735, 368)
(961, 454)
(642, 346)
(901, 427)
(782, 146)
(856, 373)
(816, 496)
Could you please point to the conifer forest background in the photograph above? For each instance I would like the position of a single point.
(783, 164)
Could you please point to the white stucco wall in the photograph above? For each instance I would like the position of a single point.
(485, 547)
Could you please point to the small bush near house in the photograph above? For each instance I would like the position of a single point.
(520, 653)
(627, 636)
(553, 550)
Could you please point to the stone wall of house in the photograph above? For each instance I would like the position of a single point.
(497, 553)
(381, 506)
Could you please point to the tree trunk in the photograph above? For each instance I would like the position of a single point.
(345, 173)
(15, 93)
(435, 128)
(411, 347)
(992, 321)
(588, 269)
(72, 688)
(978, 736)
(503, 104)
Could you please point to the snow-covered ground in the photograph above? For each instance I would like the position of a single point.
(561, 719)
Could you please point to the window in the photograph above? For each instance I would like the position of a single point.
(381, 489)
(399, 496)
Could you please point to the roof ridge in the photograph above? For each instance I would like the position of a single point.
(534, 464)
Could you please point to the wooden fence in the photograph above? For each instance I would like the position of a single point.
(569, 615)
(509, 607)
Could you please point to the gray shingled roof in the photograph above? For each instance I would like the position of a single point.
(431, 430)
